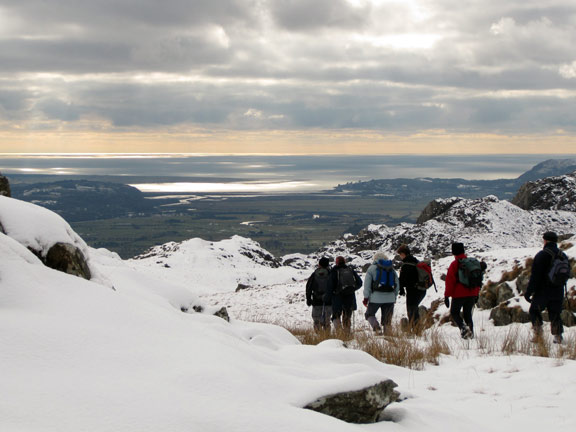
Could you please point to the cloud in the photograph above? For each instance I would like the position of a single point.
(383, 65)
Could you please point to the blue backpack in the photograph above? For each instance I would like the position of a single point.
(385, 279)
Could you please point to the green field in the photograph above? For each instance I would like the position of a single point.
(282, 224)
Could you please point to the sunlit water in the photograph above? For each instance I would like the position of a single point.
(265, 173)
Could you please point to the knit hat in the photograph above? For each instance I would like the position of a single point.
(323, 262)
(457, 248)
(550, 236)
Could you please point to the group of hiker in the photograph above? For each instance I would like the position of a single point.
(332, 291)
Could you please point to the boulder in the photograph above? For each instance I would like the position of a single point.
(568, 318)
(222, 313)
(68, 259)
(506, 314)
(436, 208)
(522, 281)
(361, 406)
(504, 293)
(4, 186)
(242, 287)
(494, 294)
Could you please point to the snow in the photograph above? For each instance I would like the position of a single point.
(118, 354)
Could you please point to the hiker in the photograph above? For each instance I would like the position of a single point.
(408, 284)
(344, 283)
(463, 297)
(542, 294)
(381, 288)
(317, 288)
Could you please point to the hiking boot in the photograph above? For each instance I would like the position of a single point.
(558, 339)
(466, 333)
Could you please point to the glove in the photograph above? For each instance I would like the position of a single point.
(365, 302)
(308, 302)
(402, 292)
(447, 301)
(528, 297)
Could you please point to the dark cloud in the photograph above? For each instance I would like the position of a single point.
(305, 15)
(291, 64)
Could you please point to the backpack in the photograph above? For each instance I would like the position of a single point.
(385, 279)
(470, 272)
(559, 272)
(425, 278)
(321, 283)
(346, 281)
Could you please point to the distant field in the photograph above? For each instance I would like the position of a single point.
(284, 224)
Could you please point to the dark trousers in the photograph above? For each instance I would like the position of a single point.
(386, 314)
(554, 308)
(413, 298)
(464, 305)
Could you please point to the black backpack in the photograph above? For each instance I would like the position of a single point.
(385, 280)
(346, 281)
(470, 272)
(559, 272)
(320, 283)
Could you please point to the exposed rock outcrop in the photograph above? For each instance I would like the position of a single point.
(481, 224)
(4, 186)
(436, 208)
(361, 406)
(68, 259)
(551, 193)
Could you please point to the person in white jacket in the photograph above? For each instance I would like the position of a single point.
(381, 288)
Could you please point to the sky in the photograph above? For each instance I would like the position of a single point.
(288, 76)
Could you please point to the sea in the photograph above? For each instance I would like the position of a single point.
(267, 173)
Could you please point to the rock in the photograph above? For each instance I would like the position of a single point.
(361, 406)
(222, 313)
(488, 297)
(551, 193)
(241, 287)
(568, 318)
(68, 259)
(504, 292)
(4, 186)
(522, 281)
(436, 208)
(506, 314)
(493, 294)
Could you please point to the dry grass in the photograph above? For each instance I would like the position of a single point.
(411, 348)
(414, 347)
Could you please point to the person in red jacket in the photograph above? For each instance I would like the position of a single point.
(463, 297)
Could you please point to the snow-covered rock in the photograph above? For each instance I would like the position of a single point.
(208, 267)
(482, 225)
(551, 193)
(46, 234)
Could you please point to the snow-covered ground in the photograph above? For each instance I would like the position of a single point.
(117, 354)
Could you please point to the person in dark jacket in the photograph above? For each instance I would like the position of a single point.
(408, 284)
(343, 300)
(463, 297)
(317, 288)
(541, 294)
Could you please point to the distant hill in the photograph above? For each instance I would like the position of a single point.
(79, 200)
(432, 188)
(548, 168)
